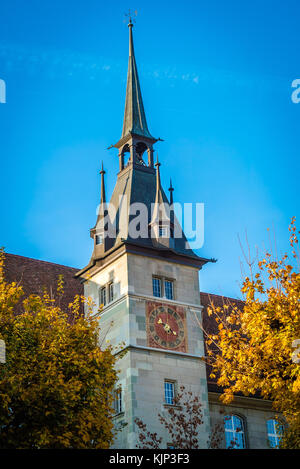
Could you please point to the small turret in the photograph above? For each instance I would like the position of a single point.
(99, 231)
(160, 224)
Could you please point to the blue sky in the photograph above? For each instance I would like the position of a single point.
(216, 80)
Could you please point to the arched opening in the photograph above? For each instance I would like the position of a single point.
(125, 155)
(140, 149)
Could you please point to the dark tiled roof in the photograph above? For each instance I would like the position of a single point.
(35, 275)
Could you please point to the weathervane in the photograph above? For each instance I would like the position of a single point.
(131, 15)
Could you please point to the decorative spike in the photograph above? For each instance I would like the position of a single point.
(103, 198)
(171, 190)
(158, 183)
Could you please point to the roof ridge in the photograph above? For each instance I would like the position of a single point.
(39, 260)
(221, 296)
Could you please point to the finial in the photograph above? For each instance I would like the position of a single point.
(131, 15)
(158, 164)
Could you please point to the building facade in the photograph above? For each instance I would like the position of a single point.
(145, 276)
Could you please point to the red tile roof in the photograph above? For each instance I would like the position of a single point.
(35, 275)
(207, 299)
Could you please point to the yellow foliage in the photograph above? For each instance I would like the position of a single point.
(256, 353)
(56, 387)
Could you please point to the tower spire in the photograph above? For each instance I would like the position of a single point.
(98, 232)
(134, 115)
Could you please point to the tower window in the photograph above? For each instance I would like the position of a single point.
(103, 296)
(234, 432)
(169, 392)
(111, 291)
(118, 401)
(169, 289)
(275, 431)
(162, 232)
(99, 239)
(163, 287)
(156, 284)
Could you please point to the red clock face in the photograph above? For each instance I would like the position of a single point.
(166, 327)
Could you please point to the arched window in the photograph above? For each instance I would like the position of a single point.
(125, 156)
(234, 432)
(275, 431)
(141, 148)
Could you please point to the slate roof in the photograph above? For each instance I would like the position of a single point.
(136, 186)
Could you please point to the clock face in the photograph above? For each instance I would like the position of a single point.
(166, 327)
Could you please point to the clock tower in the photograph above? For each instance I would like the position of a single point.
(145, 275)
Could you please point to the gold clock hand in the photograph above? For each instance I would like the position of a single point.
(166, 327)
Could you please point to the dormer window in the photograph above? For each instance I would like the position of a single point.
(163, 232)
(99, 239)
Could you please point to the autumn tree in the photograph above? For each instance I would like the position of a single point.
(56, 385)
(253, 349)
(182, 420)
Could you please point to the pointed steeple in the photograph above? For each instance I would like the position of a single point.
(134, 115)
(138, 181)
(99, 232)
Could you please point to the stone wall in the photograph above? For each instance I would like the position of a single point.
(142, 377)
